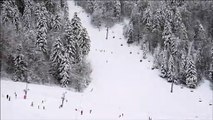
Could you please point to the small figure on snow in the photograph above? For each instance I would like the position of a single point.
(7, 96)
(15, 95)
(31, 104)
(91, 90)
(25, 91)
(90, 111)
(62, 98)
(81, 112)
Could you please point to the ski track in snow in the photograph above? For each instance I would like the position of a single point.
(120, 84)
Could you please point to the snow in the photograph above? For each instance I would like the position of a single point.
(120, 84)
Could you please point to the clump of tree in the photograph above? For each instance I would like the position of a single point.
(180, 33)
(106, 13)
(51, 48)
(177, 33)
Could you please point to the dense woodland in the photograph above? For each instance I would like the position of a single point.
(178, 33)
(40, 44)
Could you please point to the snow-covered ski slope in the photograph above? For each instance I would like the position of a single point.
(120, 84)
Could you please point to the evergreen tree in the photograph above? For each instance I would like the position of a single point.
(117, 8)
(76, 26)
(167, 34)
(20, 67)
(171, 69)
(56, 57)
(164, 67)
(56, 22)
(41, 26)
(147, 17)
(64, 71)
(57, 52)
(183, 68)
(27, 15)
(130, 36)
(10, 14)
(191, 75)
(84, 42)
(72, 37)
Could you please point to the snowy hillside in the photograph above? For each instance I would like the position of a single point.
(121, 84)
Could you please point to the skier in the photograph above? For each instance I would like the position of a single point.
(81, 112)
(25, 91)
(90, 111)
(15, 95)
(63, 98)
(7, 96)
(31, 104)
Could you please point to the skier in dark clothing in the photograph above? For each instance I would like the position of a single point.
(81, 112)
(62, 98)
(31, 104)
(7, 96)
(15, 95)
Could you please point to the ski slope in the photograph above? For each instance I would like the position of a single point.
(120, 84)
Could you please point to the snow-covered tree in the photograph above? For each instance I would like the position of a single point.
(41, 26)
(164, 68)
(130, 36)
(64, 69)
(27, 14)
(147, 17)
(117, 8)
(191, 73)
(76, 26)
(84, 42)
(57, 52)
(171, 69)
(72, 37)
(20, 67)
(57, 57)
(167, 34)
(183, 67)
(10, 14)
(56, 22)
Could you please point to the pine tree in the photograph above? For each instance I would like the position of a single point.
(91, 6)
(57, 52)
(72, 37)
(164, 68)
(10, 14)
(191, 75)
(41, 26)
(183, 67)
(64, 71)
(76, 26)
(167, 34)
(171, 69)
(56, 22)
(117, 8)
(147, 17)
(84, 42)
(27, 15)
(130, 36)
(20, 67)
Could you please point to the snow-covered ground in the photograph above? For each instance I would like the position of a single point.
(120, 84)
